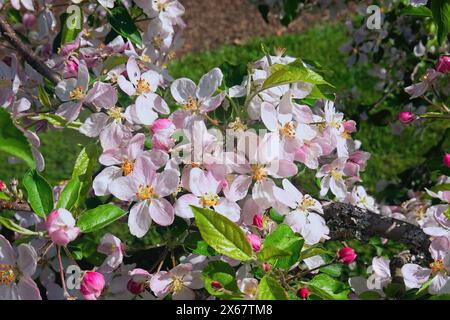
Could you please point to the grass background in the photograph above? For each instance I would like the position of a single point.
(390, 154)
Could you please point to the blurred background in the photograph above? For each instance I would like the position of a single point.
(233, 31)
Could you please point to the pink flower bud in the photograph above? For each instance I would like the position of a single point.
(258, 221)
(162, 130)
(2, 185)
(216, 285)
(160, 124)
(61, 227)
(446, 160)
(406, 117)
(303, 293)
(135, 287)
(92, 285)
(29, 20)
(255, 241)
(349, 126)
(266, 267)
(443, 64)
(346, 255)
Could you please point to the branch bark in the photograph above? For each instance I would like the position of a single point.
(10, 35)
(349, 222)
(19, 206)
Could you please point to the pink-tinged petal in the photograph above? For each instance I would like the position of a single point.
(158, 158)
(285, 197)
(182, 206)
(380, 266)
(159, 104)
(324, 186)
(198, 183)
(94, 124)
(144, 172)
(238, 189)
(133, 71)
(209, 83)
(112, 262)
(144, 111)
(178, 117)
(338, 188)
(211, 104)
(140, 219)
(194, 280)
(83, 76)
(162, 212)
(27, 289)
(112, 157)
(7, 254)
(69, 110)
(135, 146)
(124, 188)
(126, 86)
(152, 78)
(305, 132)
(114, 136)
(167, 182)
(182, 89)
(184, 294)
(439, 284)
(160, 283)
(250, 210)
(102, 95)
(63, 89)
(269, 148)
(269, 116)
(414, 275)
(439, 248)
(296, 220)
(229, 209)
(27, 259)
(282, 168)
(262, 193)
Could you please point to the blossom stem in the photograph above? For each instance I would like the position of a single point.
(61, 273)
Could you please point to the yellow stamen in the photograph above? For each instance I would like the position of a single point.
(127, 167)
(237, 125)
(306, 203)
(337, 175)
(115, 113)
(142, 86)
(288, 130)
(209, 200)
(259, 173)
(145, 193)
(191, 104)
(7, 274)
(177, 285)
(437, 265)
(77, 94)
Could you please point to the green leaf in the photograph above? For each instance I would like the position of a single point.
(334, 270)
(40, 195)
(123, 24)
(328, 288)
(291, 11)
(440, 297)
(58, 121)
(195, 243)
(270, 289)
(84, 169)
(313, 251)
(441, 17)
(223, 235)
(421, 11)
(9, 224)
(272, 252)
(99, 217)
(43, 97)
(69, 195)
(13, 141)
(285, 240)
(71, 25)
(224, 274)
(292, 73)
(114, 61)
(370, 295)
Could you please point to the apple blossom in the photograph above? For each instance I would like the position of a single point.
(114, 249)
(92, 285)
(303, 293)
(446, 160)
(346, 255)
(443, 64)
(61, 227)
(406, 117)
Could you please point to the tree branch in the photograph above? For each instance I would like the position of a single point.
(349, 222)
(9, 34)
(9, 205)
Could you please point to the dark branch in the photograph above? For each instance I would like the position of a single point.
(18, 206)
(34, 61)
(349, 222)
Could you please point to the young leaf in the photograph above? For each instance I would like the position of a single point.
(9, 224)
(40, 195)
(328, 288)
(222, 234)
(270, 289)
(84, 168)
(99, 217)
(69, 194)
(13, 141)
(123, 24)
(441, 17)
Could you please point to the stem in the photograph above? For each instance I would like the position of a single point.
(61, 273)
(10, 36)
(10, 205)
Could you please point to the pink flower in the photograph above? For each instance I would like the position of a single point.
(139, 281)
(16, 270)
(61, 227)
(92, 285)
(179, 281)
(303, 293)
(114, 249)
(29, 20)
(418, 89)
(148, 190)
(446, 160)
(443, 64)
(163, 130)
(2, 185)
(266, 267)
(346, 255)
(332, 178)
(406, 117)
(258, 221)
(255, 241)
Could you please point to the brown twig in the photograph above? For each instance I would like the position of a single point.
(10, 36)
(12, 205)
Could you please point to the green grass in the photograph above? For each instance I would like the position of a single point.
(390, 154)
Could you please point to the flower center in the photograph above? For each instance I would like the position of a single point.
(146, 58)
(127, 167)
(209, 200)
(337, 175)
(7, 274)
(5, 83)
(157, 42)
(437, 265)
(145, 193)
(115, 113)
(237, 125)
(161, 5)
(142, 86)
(77, 93)
(177, 285)
(259, 173)
(191, 104)
(306, 203)
(288, 130)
